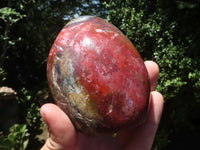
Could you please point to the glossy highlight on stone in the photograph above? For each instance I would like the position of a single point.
(97, 77)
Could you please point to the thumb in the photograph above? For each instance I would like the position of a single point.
(62, 133)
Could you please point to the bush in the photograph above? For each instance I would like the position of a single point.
(18, 138)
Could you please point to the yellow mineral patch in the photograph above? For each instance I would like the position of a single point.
(83, 103)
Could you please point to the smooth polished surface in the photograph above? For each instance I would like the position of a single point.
(97, 77)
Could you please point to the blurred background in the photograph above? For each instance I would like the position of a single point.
(167, 32)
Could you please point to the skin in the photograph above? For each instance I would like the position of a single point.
(63, 135)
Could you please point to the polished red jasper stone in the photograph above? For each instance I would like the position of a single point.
(97, 77)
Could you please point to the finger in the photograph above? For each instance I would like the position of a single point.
(62, 133)
(153, 71)
(156, 108)
(143, 136)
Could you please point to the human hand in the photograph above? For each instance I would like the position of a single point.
(63, 135)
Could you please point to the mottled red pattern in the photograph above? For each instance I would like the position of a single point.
(108, 66)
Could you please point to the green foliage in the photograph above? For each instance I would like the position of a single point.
(34, 122)
(30, 114)
(182, 5)
(2, 75)
(17, 139)
(10, 15)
